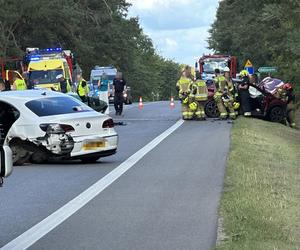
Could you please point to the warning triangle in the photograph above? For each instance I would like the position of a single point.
(248, 64)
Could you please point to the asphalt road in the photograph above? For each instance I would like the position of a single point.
(167, 200)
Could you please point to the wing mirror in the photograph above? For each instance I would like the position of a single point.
(5, 163)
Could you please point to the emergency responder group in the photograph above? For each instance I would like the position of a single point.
(228, 98)
(79, 86)
(194, 95)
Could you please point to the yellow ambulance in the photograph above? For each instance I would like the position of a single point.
(43, 68)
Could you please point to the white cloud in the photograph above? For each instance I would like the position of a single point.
(171, 43)
(190, 43)
(152, 4)
(178, 28)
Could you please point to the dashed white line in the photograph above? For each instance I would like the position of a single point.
(35, 233)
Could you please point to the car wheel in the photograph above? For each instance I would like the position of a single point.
(211, 109)
(19, 155)
(277, 114)
(90, 159)
(39, 156)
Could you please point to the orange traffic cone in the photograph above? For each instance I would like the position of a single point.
(141, 105)
(172, 103)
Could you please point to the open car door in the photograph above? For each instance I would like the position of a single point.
(5, 162)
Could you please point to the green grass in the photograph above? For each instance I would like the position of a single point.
(260, 205)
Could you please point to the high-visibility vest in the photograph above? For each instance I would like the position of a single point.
(184, 85)
(83, 91)
(20, 84)
(230, 85)
(199, 90)
(220, 82)
(64, 88)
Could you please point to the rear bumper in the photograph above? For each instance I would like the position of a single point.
(111, 143)
(98, 154)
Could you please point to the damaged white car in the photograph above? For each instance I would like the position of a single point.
(41, 125)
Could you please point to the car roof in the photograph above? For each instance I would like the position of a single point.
(22, 96)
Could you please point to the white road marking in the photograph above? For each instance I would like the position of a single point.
(35, 233)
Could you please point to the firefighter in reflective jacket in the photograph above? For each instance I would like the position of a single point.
(223, 97)
(19, 84)
(183, 87)
(286, 93)
(199, 94)
(231, 104)
(82, 89)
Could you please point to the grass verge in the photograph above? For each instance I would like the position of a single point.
(260, 206)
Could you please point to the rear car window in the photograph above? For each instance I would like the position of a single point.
(56, 106)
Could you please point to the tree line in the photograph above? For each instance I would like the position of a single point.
(265, 31)
(99, 32)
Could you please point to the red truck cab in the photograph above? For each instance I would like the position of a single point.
(208, 64)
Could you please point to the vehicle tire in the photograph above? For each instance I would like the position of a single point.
(211, 109)
(39, 156)
(277, 114)
(19, 154)
(90, 159)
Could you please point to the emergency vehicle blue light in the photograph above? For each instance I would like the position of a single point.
(35, 58)
(51, 50)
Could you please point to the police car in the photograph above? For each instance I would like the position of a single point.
(40, 125)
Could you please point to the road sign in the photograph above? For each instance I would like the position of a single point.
(267, 69)
(248, 64)
(249, 67)
(250, 70)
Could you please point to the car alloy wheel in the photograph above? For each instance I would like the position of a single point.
(277, 114)
(211, 109)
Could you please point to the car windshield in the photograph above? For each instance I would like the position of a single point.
(56, 106)
(96, 78)
(210, 65)
(44, 77)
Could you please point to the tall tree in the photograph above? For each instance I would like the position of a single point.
(99, 32)
(265, 31)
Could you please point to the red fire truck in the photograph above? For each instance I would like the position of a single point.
(208, 64)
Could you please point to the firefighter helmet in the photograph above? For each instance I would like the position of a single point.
(244, 73)
(226, 69)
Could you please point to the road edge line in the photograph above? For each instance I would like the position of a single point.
(35, 233)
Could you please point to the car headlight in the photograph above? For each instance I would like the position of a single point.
(125, 95)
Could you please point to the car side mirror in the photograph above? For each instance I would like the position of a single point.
(5, 163)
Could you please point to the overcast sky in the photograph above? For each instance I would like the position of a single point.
(178, 28)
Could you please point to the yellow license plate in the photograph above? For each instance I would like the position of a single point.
(93, 145)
